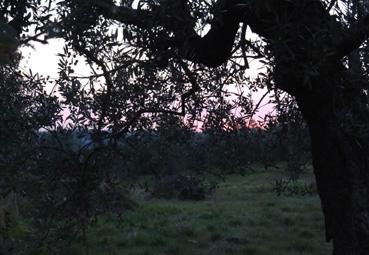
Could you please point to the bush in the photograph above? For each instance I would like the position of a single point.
(182, 187)
(295, 167)
(291, 187)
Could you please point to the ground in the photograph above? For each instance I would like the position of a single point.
(244, 216)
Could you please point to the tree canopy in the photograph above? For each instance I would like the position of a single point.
(151, 58)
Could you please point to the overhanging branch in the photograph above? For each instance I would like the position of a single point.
(353, 38)
(211, 50)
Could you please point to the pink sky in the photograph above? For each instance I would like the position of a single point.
(43, 59)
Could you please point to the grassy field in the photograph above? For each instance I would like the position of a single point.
(244, 216)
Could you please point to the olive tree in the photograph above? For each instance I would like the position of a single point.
(152, 56)
(307, 45)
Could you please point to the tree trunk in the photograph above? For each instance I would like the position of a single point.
(340, 146)
(343, 184)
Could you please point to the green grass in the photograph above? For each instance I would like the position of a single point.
(243, 217)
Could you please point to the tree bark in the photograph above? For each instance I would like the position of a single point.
(343, 182)
(339, 137)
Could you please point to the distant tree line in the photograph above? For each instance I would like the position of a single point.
(173, 148)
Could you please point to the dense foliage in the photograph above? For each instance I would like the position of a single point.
(71, 155)
(168, 96)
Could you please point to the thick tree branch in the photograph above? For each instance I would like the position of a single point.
(211, 50)
(353, 38)
(126, 15)
(215, 47)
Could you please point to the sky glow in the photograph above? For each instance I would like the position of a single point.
(43, 59)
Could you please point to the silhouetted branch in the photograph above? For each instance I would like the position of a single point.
(353, 38)
(106, 74)
(211, 50)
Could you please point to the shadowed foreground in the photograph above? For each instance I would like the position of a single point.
(244, 216)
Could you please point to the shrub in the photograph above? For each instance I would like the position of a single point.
(290, 187)
(182, 187)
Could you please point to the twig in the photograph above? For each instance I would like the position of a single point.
(257, 107)
(109, 82)
(194, 88)
(331, 4)
(34, 38)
